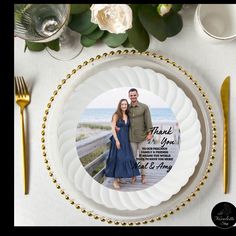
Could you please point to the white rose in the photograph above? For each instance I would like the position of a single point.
(162, 9)
(115, 18)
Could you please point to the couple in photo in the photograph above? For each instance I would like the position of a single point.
(131, 127)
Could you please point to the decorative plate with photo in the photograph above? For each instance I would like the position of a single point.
(138, 162)
(127, 137)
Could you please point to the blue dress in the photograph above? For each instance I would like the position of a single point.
(120, 162)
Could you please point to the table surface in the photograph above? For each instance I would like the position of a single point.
(44, 206)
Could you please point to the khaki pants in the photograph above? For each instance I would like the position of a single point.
(137, 147)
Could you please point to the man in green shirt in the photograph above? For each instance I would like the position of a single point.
(140, 127)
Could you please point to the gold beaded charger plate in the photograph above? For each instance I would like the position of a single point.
(194, 112)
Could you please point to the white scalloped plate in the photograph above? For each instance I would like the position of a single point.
(181, 97)
(172, 95)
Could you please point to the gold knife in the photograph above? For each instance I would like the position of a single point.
(225, 92)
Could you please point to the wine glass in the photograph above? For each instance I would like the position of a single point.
(41, 23)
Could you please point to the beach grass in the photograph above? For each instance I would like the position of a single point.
(93, 155)
(81, 137)
(99, 167)
(85, 130)
(95, 126)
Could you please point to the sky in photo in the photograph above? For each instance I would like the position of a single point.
(111, 98)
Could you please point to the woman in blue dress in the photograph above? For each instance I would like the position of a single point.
(120, 162)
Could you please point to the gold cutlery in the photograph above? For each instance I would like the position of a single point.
(225, 92)
(22, 97)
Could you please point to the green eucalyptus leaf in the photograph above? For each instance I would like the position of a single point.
(173, 22)
(137, 35)
(127, 44)
(54, 45)
(96, 34)
(114, 40)
(79, 8)
(81, 22)
(90, 29)
(176, 7)
(145, 21)
(87, 42)
(152, 22)
(70, 18)
(35, 46)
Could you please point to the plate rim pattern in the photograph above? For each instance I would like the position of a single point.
(212, 151)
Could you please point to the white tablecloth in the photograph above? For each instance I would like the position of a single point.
(44, 206)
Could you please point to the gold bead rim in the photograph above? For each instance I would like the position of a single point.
(197, 188)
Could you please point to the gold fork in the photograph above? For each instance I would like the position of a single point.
(22, 97)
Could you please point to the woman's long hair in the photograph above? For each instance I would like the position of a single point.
(118, 111)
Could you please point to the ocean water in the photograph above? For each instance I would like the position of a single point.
(104, 115)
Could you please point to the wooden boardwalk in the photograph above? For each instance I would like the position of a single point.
(126, 185)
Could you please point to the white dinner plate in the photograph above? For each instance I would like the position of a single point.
(193, 111)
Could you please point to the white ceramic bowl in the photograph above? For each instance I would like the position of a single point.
(216, 22)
